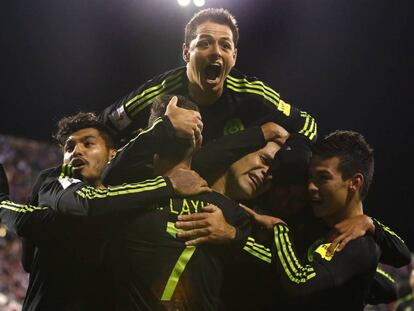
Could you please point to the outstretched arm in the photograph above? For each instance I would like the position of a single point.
(394, 251)
(326, 271)
(24, 219)
(62, 196)
(70, 196)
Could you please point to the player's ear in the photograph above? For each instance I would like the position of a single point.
(112, 153)
(186, 53)
(356, 182)
(235, 56)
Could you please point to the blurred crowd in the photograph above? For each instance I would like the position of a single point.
(23, 160)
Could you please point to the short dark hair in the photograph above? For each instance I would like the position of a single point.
(219, 16)
(71, 124)
(354, 153)
(175, 148)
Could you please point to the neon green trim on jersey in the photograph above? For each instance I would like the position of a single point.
(297, 274)
(21, 208)
(67, 171)
(141, 101)
(256, 82)
(146, 93)
(259, 87)
(309, 129)
(248, 89)
(176, 273)
(258, 250)
(385, 274)
(145, 131)
(172, 230)
(89, 192)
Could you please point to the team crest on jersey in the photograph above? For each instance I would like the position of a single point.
(312, 248)
(322, 250)
(233, 126)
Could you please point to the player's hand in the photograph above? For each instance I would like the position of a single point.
(348, 230)
(207, 226)
(274, 132)
(266, 221)
(187, 123)
(187, 182)
(4, 183)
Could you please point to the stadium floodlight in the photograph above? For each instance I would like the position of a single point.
(199, 3)
(183, 2)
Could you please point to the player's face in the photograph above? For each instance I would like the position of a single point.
(329, 193)
(247, 177)
(88, 153)
(210, 57)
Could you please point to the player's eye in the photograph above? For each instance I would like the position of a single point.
(226, 45)
(203, 43)
(265, 160)
(68, 147)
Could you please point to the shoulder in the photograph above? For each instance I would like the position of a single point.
(173, 75)
(237, 74)
(241, 83)
(45, 175)
(49, 172)
(363, 250)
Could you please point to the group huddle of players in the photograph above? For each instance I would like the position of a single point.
(145, 214)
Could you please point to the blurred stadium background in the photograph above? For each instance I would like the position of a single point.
(349, 63)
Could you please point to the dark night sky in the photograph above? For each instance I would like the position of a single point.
(347, 62)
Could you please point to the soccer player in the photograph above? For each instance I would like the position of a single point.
(149, 269)
(341, 171)
(68, 270)
(158, 270)
(229, 101)
(288, 197)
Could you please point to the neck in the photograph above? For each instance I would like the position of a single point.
(95, 183)
(350, 210)
(164, 166)
(203, 97)
(219, 184)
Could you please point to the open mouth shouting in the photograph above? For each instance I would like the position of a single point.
(212, 73)
(78, 163)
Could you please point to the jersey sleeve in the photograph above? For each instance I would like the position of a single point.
(25, 219)
(383, 288)
(325, 271)
(273, 107)
(131, 112)
(28, 245)
(133, 162)
(70, 196)
(215, 157)
(62, 198)
(251, 250)
(394, 251)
